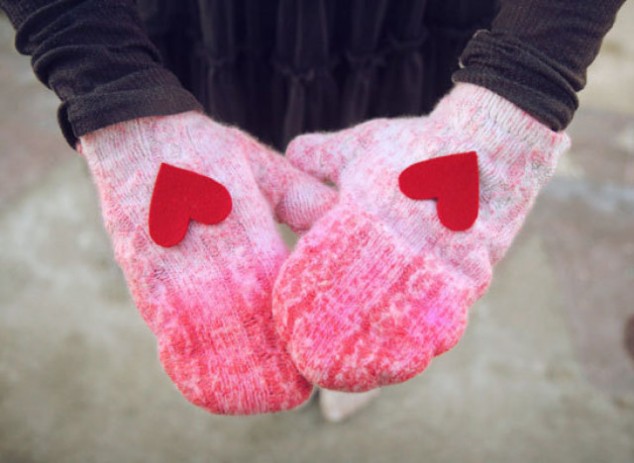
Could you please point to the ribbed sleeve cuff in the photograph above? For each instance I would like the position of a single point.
(522, 75)
(160, 97)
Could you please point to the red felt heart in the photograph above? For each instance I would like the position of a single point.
(453, 181)
(180, 196)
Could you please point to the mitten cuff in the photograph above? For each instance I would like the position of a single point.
(494, 121)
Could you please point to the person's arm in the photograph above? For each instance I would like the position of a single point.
(537, 53)
(97, 58)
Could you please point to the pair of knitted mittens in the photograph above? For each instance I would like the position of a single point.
(379, 284)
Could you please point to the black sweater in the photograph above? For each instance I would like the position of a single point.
(97, 57)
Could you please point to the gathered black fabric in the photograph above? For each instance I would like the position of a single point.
(278, 68)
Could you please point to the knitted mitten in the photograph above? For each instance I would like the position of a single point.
(379, 285)
(207, 298)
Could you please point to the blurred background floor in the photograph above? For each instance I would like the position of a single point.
(542, 374)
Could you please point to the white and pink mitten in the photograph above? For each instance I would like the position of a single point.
(383, 282)
(200, 251)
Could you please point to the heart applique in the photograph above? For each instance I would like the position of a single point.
(451, 180)
(180, 196)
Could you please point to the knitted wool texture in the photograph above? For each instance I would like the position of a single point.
(208, 299)
(378, 287)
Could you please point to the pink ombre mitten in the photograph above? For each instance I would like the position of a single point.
(206, 293)
(379, 286)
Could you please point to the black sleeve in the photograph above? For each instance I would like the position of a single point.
(537, 53)
(97, 58)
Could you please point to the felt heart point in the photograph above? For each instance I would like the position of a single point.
(181, 195)
(453, 181)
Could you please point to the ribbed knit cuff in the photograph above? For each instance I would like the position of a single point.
(486, 116)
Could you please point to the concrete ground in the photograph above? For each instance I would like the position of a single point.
(542, 374)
